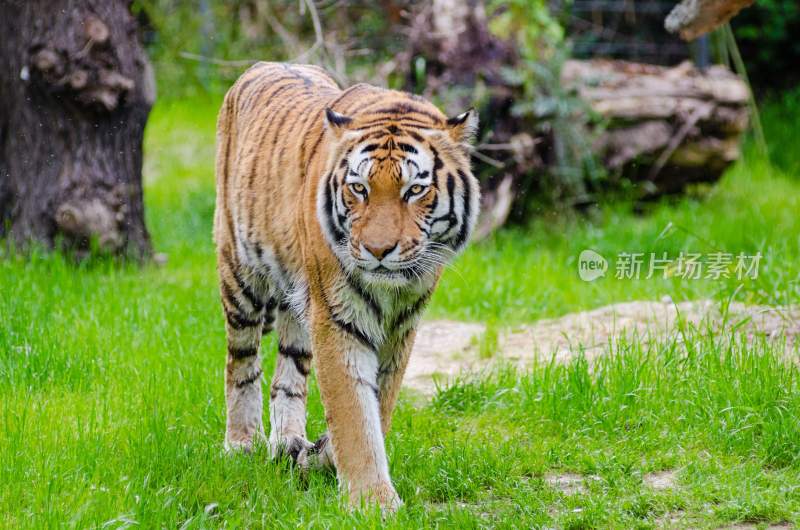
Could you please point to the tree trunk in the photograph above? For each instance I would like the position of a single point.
(75, 92)
(459, 51)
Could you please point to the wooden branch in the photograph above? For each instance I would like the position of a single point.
(692, 18)
(495, 207)
(219, 62)
(675, 142)
(487, 159)
(290, 42)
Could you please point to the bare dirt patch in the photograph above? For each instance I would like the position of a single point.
(753, 526)
(662, 480)
(445, 349)
(566, 483)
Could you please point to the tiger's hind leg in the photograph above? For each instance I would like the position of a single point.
(245, 303)
(288, 392)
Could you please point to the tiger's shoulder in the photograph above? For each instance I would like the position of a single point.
(267, 86)
(264, 74)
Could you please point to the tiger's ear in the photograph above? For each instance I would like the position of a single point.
(464, 127)
(336, 122)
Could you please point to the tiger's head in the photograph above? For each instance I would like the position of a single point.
(399, 198)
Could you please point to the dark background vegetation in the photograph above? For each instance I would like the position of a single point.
(242, 30)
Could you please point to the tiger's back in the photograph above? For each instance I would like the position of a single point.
(266, 133)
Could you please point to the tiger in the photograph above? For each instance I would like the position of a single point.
(336, 211)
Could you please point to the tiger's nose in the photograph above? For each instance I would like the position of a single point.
(380, 251)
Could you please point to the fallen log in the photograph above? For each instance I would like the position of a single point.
(668, 127)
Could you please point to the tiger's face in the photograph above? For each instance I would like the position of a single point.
(399, 200)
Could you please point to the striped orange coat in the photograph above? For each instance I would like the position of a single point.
(335, 213)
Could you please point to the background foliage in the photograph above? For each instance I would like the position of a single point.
(767, 34)
(367, 34)
(200, 48)
(234, 34)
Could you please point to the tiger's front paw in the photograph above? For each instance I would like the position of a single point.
(288, 445)
(383, 494)
(318, 456)
(241, 442)
(234, 447)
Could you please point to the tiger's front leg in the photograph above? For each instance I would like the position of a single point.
(390, 374)
(393, 362)
(287, 405)
(347, 372)
(244, 315)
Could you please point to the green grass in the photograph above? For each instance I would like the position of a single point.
(111, 394)
(527, 274)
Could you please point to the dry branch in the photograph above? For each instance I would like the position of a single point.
(692, 18)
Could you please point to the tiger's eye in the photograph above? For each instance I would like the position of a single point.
(358, 187)
(416, 189)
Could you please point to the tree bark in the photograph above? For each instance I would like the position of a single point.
(459, 51)
(75, 92)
